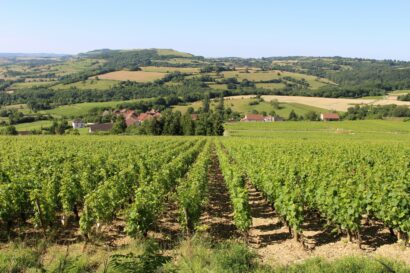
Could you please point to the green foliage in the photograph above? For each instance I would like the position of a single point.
(200, 255)
(192, 190)
(300, 177)
(20, 259)
(235, 179)
(8, 130)
(147, 262)
(119, 126)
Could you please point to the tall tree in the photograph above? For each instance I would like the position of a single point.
(205, 103)
(119, 126)
(187, 124)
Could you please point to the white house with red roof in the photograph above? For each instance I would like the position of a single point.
(329, 117)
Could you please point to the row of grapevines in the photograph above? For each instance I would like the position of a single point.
(192, 190)
(345, 183)
(102, 204)
(235, 179)
(43, 177)
(153, 191)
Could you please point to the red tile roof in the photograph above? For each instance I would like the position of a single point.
(253, 117)
(330, 116)
(131, 119)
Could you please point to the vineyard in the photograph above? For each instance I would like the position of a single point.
(84, 184)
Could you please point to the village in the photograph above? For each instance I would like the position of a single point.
(132, 118)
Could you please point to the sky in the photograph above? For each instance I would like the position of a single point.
(212, 28)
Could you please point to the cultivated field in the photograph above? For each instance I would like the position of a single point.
(256, 75)
(165, 69)
(243, 106)
(80, 109)
(328, 103)
(270, 197)
(138, 76)
(88, 84)
(351, 130)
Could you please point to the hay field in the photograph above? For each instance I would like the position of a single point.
(164, 69)
(327, 103)
(138, 76)
(255, 75)
(88, 84)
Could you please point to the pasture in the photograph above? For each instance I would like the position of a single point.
(80, 109)
(243, 106)
(31, 84)
(87, 84)
(255, 75)
(165, 69)
(172, 52)
(33, 125)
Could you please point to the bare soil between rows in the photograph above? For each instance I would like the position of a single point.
(273, 243)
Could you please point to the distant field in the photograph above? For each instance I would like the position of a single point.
(183, 61)
(243, 106)
(398, 92)
(138, 76)
(73, 66)
(270, 85)
(165, 52)
(369, 130)
(80, 109)
(275, 74)
(165, 69)
(33, 125)
(20, 107)
(218, 86)
(328, 103)
(88, 84)
(22, 85)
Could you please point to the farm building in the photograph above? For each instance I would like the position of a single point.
(148, 115)
(77, 123)
(261, 118)
(253, 117)
(100, 127)
(329, 117)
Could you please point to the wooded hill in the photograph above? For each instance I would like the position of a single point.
(131, 74)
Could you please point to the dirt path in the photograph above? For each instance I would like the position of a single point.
(218, 213)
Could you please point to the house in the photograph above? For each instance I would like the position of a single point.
(261, 118)
(194, 117)
(272, 118)
(132, 118)
(329, 117)
(100, 127)
(253, 117)
(77, 123)
(106, 113)
(148, 116)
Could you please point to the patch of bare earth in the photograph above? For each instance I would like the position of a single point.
(218, 213)
(273, 243)
(168, 230)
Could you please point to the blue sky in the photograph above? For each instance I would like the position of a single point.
(360, 28)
